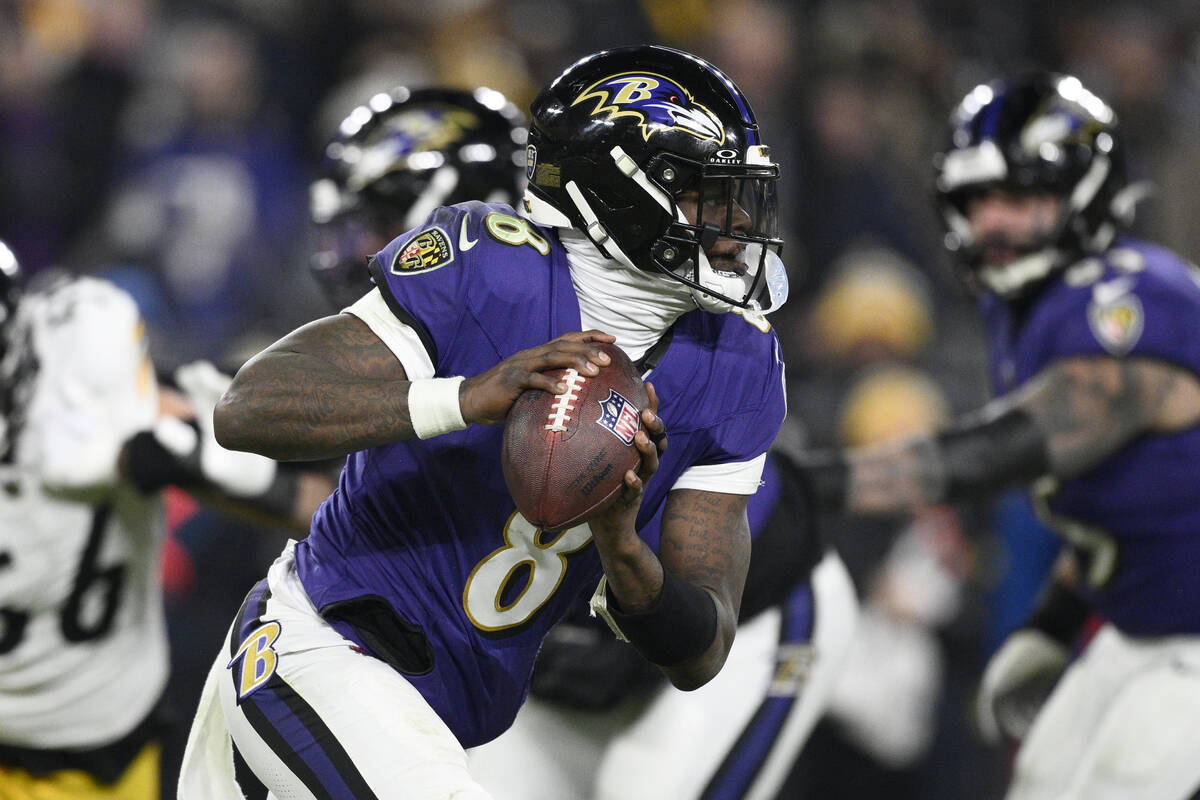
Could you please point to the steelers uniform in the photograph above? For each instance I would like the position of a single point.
(83, 649)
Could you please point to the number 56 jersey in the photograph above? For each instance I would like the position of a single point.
(428, 527)
(83, 653)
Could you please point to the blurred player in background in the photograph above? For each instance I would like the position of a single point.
(395, 160)
(1095, 359)
(404, 628)
(428, 147)
(86, 441)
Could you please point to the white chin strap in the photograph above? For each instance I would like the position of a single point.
(1007, 280)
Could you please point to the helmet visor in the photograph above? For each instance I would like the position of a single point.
(727, 237)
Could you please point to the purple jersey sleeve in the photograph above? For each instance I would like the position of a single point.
(1144, 303)
(426, 275)
(748, 433)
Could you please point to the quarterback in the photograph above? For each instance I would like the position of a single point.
(404, 628)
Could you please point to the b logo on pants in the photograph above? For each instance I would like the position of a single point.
(257, 657)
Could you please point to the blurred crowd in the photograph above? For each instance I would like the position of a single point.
(168, 146)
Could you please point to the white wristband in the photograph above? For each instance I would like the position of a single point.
(433, 406)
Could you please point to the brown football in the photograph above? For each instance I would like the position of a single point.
(565, 456)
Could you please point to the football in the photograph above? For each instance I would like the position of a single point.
(565, 456)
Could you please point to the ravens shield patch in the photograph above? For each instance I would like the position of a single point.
(424, 252)
(1117, 324)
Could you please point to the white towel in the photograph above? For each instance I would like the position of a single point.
(207, 771)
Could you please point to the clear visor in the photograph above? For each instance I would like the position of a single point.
(735, 225)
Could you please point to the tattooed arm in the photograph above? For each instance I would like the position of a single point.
(333, 387)
(1088, 408)
(1068, 419)
(706, 540)
(680, 608)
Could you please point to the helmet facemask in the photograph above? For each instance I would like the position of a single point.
(723, 238)
(655, 155)
(729, 254)
(1043, 134)
(1051, 247)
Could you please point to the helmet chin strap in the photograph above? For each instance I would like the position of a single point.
(608, 246)
(1009, 279)
(706, 275)
(716, 283)
(614, 296)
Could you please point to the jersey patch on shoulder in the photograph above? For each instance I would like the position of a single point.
(1117, 318)
(425, 252)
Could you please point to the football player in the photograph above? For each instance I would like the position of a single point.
(577, 734)
(404, 628)
(86, 441)
(1095, 361)
(396, 159)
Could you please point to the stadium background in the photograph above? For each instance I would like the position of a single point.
(168, 146)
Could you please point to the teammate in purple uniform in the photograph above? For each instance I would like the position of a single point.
(404, 628)
(1095, 360)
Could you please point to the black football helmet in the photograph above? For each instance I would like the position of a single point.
(1041, 132)
(396, 159)
(621, 138)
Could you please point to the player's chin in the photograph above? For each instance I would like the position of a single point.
(730, 264)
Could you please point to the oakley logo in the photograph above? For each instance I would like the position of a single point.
(659, 103)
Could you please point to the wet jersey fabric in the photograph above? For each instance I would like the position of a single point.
(1136, 517)
(429, 527)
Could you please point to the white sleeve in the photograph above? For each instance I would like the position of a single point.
(738, 477)
(401, 339)
(97, 386)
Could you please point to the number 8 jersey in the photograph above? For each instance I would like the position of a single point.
(428, 528)
(83, 652)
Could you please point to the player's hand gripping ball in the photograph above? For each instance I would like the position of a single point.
(565, 456)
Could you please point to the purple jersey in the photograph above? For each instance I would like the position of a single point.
(429, 527)
(1134, 520)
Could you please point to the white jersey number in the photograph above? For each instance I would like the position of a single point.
(494, 598)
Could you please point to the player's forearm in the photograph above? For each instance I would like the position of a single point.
(699, 670)
(666, 616)
(633, 571)
(704, 553)
(293, 406)
(902, 476)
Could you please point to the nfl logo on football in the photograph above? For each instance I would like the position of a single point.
(618, 416)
